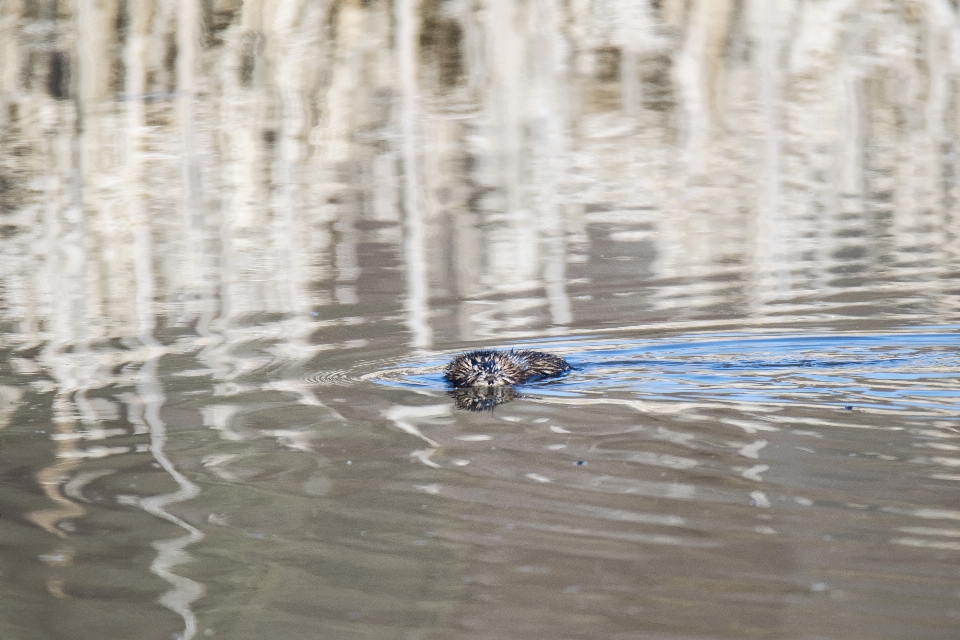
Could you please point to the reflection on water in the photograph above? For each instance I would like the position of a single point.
(240, 240)
(483, 398)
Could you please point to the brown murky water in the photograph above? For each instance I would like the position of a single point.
(239, 240)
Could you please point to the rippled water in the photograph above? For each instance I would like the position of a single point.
(239, 241)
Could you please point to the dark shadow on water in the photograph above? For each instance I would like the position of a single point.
(483, 398)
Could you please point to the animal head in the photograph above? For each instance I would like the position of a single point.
(483, 369)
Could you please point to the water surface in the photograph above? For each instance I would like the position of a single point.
(240, 240)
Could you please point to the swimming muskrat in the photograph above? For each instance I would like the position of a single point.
(490, 368)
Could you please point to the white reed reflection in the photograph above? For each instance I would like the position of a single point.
(171, 551)
(406, 418)
(474, 143)
(413, 242)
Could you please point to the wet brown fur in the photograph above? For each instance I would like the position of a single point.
(490, 368)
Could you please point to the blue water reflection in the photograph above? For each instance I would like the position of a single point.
(896, 370)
